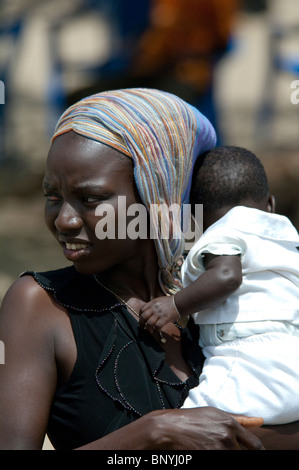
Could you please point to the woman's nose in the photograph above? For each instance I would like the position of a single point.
(68, 219)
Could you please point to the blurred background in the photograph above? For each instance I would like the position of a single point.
(234, 60)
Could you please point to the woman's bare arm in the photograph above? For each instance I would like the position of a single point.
(28, 377)
(282, 437)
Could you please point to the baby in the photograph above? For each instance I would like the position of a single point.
(241, 282)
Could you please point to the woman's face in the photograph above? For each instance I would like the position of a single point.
(82, 174)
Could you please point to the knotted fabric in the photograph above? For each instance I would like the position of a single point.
(163, 135)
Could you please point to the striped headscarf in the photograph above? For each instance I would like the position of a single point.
(163, 135)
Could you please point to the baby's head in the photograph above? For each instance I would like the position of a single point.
(226, 177)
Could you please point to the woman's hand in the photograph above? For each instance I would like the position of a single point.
(204, 428)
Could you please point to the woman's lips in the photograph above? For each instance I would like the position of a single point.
(75, 251)
(75, 246)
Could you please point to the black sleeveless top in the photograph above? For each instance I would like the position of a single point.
(120, 373)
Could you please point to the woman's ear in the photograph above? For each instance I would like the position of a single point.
(271, 205)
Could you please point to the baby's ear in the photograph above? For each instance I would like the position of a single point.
(271, 205)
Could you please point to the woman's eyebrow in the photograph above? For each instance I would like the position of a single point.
(79, 187)
(88, 186)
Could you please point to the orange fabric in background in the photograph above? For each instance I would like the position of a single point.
(184, 36)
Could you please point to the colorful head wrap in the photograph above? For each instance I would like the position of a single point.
(163, 135)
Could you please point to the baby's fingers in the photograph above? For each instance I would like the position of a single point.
(150, 324)
(143, 317)
(147, 317)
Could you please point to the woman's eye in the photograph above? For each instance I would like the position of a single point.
(91, 199)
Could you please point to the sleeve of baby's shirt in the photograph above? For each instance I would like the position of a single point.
(218, 243)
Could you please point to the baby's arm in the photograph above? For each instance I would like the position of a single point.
(222, 277)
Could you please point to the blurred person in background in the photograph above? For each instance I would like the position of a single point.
(170, 45)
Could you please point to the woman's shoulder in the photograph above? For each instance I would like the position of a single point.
(27, 308)
(30, 287)
(50, 280)
(29, 292)
(57, 283)
(22, 292)
(72, 290)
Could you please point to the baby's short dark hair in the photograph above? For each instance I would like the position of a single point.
(226, 176)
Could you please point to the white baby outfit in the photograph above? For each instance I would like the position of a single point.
(251, 341)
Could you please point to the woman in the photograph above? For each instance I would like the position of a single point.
(77, 363)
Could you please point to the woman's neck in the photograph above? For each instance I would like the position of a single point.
(138, 279)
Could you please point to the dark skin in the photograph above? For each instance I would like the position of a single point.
(40, 349)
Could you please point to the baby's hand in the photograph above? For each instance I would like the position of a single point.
(156, 313)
